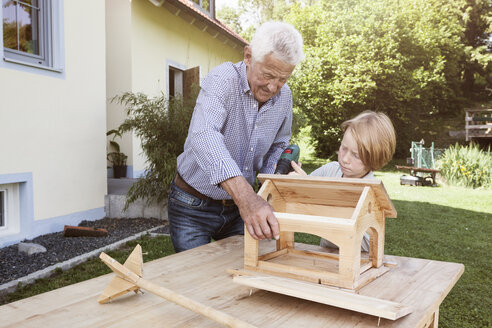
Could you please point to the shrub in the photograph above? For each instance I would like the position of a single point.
(467, 166)
(162, 126)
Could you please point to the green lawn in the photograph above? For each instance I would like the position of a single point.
(441, 223)
(447, 224)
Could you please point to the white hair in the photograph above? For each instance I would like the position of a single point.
(280, 39)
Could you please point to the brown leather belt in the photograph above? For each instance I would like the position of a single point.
(178, 180)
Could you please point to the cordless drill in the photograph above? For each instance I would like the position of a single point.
(290, 153)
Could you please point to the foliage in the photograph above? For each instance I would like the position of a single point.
(467, 166)
(419, 61)
(162, 127)
(250, 14)
(117, 158)
(399, 57)
(229, 16)
(477, 75)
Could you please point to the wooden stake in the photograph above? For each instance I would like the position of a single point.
(131, 281)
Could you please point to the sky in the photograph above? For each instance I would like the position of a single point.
(221, 3)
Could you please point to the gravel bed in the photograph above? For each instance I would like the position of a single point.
(14, 265)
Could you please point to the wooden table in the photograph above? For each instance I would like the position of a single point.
(414, 170)
(201, 275)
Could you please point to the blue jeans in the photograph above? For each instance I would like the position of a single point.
(194, 221)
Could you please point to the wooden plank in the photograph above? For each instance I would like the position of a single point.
(286, 240)
(273, 255)
(369, 276)
(173, 296)
(479, 126)
(417, 169)
(298, 272)
(250, 249)
(306, 261)
(317, 293)
(315, 254)
(269, 192)
(201, 274)
(310, 222)
(318, 210)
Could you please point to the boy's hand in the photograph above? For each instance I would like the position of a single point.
(297, 169)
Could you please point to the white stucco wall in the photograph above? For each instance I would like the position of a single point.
(52, 126)
(157, 38)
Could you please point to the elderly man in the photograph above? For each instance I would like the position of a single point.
(240, 126)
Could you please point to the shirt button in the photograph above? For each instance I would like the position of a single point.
(246, 169)
(256, 127)
(251, 149)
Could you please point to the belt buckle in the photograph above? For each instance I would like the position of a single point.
(227, 202)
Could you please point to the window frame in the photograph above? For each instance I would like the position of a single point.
(3, 207)
(177, 86)
(45, 44)
(11, 219)
(210, 12)
(55, 63)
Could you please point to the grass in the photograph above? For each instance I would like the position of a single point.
(153, 248)
(452, 224)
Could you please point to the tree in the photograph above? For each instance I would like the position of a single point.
(252, 13)
(478, 60)
(229, 16)
(399, 57)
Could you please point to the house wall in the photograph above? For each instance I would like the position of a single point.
(118, 69)
(158, 39)
(52, 127)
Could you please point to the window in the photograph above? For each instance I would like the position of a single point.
(207, 6)
(181, 81)
(32, 35)
(175, 82)
(9, 208)
(2, 208)
(27, 31)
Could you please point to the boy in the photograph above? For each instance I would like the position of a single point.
(368, 143)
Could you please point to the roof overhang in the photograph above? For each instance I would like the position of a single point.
(194, 16)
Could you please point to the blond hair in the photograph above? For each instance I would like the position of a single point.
(375, 137)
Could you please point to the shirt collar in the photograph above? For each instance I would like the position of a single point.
(245, 84)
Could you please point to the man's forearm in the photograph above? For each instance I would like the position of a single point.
(239, 189)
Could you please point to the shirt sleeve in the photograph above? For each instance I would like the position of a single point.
(207, 141)
(281, 141)
(331, 169)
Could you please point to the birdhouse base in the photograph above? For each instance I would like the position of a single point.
(316, 267)
(333, 296)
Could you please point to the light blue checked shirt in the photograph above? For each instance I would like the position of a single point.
(228, 136)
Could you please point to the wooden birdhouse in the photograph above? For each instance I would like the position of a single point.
(336, 209)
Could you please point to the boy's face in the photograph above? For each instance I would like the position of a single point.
(348, 158)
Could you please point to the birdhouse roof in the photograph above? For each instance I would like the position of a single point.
(329, 191)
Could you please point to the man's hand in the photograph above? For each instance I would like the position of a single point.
(256, 213)
(297, 169)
